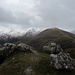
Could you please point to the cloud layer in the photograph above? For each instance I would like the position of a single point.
(24, 14)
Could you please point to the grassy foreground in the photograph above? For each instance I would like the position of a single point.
(18, 63)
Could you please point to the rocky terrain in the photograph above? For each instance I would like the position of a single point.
(50, 52)
(60, 59)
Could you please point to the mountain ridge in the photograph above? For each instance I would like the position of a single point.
(53, 35)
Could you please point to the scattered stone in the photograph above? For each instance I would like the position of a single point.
(13, 58)
(28, 71)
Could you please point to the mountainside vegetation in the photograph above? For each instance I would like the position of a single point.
(36, 61)
(20, 62)
(65, 39)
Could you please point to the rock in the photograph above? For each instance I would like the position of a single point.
(52, 48)
(2, 50)
(23, 47)
(60, 59)
(9, 45)
(9, 48)
(13, 58)
(28, 71)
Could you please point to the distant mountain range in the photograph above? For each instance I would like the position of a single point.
(38, 39)
(35, 61)
(6, 38)
(14, 37)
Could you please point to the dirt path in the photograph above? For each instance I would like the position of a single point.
(34, 51)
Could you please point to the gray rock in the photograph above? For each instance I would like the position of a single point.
(28, 71)
(9, 47)
(2, 50)
(52, 48)
(23, 47)
(60, 59)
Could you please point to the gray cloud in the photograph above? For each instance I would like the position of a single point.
(39, 14)
(7, 16)
(58, 13)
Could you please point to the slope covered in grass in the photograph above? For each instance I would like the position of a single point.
(63, 38)
(39, 64)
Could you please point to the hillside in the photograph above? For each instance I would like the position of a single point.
(37, 62)
(65, 39)
(29, 63)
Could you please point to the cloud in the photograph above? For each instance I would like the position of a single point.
(38, 13)
(57, 13)
(7, 16)
(17, 12)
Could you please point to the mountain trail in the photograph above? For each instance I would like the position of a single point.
(34, 51)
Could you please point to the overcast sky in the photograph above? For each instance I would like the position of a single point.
(17, 15)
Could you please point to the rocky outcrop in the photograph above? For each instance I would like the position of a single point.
(23, 47)
(60, 59)
(9, 48)
(52, 48)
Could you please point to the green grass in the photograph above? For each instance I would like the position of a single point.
(71, 51)
(40, 65)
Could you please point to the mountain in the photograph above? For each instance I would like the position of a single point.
(6, 38)
(63, 38)
(31, 32)
(31, 63)
(15, 36)
(36, 62)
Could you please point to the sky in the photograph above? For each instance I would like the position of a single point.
(19, 15)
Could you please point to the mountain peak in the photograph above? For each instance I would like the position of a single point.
(32, 31)
(53, 35)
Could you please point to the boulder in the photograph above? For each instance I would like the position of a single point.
(23, 47)
(60, 59)
(2, 50)
(9, 47)
(52, 48)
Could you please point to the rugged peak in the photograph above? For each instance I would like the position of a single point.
(31, 32)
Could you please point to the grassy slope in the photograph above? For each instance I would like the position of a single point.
(40, 65)
(63, 38)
